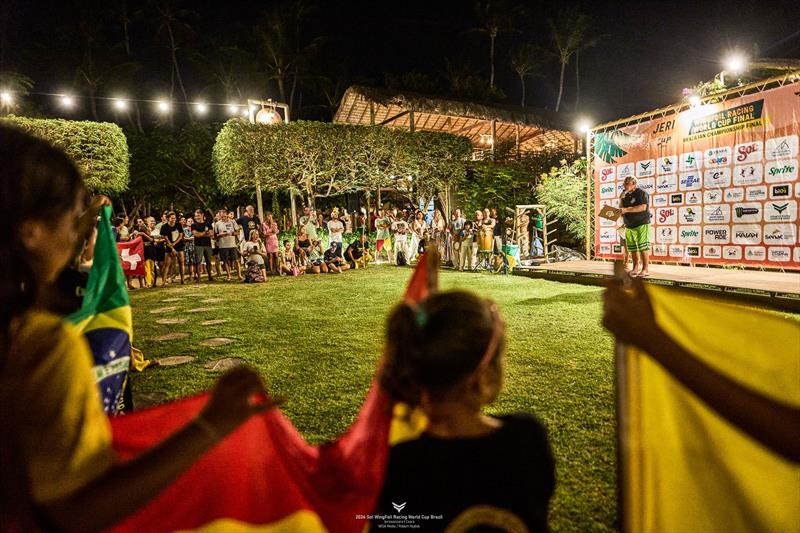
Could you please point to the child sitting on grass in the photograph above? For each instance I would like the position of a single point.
(475, 471)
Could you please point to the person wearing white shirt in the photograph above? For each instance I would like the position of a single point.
(335, 229)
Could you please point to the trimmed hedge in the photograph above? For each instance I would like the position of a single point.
(323, 159)
(100, 149)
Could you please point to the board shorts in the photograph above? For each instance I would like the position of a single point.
(638, 239)
(228, 254)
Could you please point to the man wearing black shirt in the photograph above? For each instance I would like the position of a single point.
(202, 232)
(173, 238)
(355, 252)
(635, 213)
(248, 222)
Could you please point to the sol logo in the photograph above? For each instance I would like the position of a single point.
(665, 214)
(745, 150)
(607, 171)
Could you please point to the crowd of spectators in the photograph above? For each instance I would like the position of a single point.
(193, 246)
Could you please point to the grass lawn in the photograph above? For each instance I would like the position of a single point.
(317, 339)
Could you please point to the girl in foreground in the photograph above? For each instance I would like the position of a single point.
(58, 468)
(447, 357)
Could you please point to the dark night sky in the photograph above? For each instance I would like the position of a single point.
(648, 52)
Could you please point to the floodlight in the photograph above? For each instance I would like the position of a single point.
(584, 126)
(735, 64)
(694, 100)
(67, 101)
(6, 98)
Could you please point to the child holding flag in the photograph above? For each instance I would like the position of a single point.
(58, 468)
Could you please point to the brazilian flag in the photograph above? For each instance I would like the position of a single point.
(105, 320)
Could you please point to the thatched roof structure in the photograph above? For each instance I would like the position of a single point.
(485, 125)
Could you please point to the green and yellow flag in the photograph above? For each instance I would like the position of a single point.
(683, 466)
(105, 319)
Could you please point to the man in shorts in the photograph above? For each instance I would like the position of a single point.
(636, 215)
(225, 230)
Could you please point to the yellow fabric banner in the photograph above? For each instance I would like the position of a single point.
(685, 468)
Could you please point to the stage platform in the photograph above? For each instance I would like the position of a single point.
(775, 289)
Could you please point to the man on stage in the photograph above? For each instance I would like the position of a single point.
(635, 213)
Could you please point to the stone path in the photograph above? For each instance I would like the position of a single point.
(221, 365)
(201, 309)
(172, 320)
(163, 310)
(170, 300)
(212, 300)
(213, 322)
(172, 336)
(217, 341)
(175, 360)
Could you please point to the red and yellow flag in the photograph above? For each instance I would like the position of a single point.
(264, 477)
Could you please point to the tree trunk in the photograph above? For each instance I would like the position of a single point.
(577, 83)
(291, 92)
(561, 84)
(138, 115)
(281, 86)
(174, 50)
(93, 102)
(492, 37)
(522, 82)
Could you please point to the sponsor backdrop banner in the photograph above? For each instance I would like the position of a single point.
(722, 178)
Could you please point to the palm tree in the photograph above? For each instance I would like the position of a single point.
(527, 60)
(285, 56)
(173, 26)
(569, 33)
(494, 17)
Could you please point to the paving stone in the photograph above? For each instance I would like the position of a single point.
(175, 360)
(213, 322)
(217, 341)
(200, 309)
(163, 310)
(221, 365)
(177, 335)
(212, 300)
(143, 400)
(172, 320)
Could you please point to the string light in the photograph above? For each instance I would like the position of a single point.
(67, 101)
(163, 107)
(120, 104)
(201, 107)
(233, 109)
(6, 98)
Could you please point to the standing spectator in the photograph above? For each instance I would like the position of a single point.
(334, 261)
(456, 225)
(636, 217)
(142, 230)
(497, 232)
(400, 228)
(225, 231)
(438, 232)
(384, 237)
(161, 250)
(270, 230)
(249, 221)
(335, 229)
(524, 235)
(361, 220)
(188, 251)
(288, 261)
(418, 230)
(310, 222)
(116, 228)
(173, 239)
(164, 218)
(254, 253)
(478, 234)
(202, 232)
(347, 219)
(465, 237)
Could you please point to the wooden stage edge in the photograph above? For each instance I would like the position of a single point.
(779, 290)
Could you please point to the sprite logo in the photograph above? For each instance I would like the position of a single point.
(785, 169)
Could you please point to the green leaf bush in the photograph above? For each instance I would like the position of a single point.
(100, 149)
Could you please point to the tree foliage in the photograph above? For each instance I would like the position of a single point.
(563, 191)
(100, 149)
(321, 159)
(506, 182)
